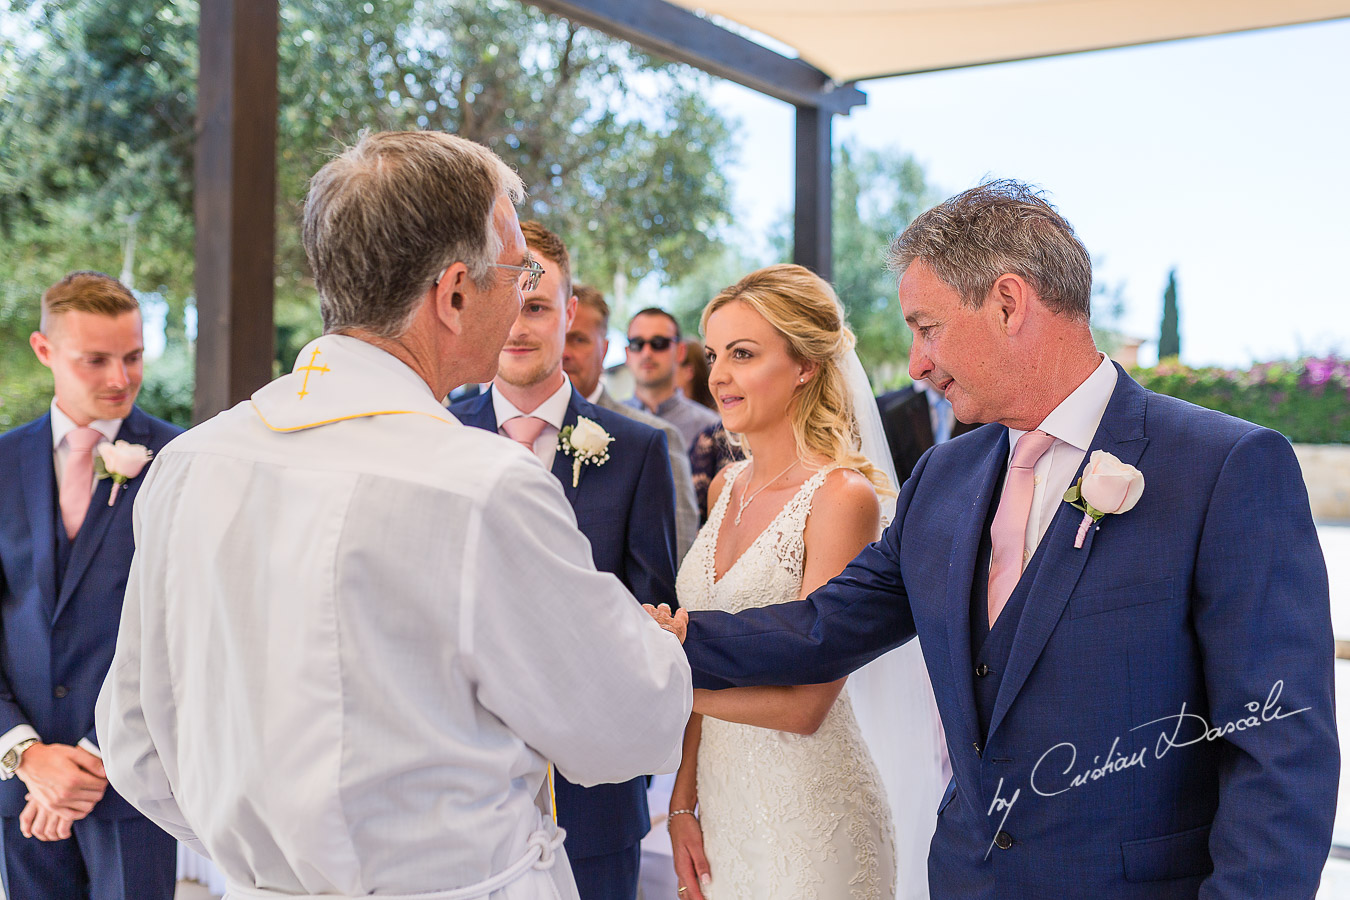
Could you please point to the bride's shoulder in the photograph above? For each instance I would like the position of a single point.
(846, 499)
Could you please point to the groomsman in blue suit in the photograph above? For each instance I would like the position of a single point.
(65, 551)
(624, 505)
(1137, 707)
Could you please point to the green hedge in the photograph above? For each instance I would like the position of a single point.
(1307, 400)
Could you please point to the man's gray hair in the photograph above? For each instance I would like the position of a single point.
(383, 219)
(1002, 227)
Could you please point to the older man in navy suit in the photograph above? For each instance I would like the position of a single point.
(1137, 707)
(624, 505)
(65, 551)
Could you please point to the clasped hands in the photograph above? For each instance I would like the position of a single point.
(676, 624)
(64, 784)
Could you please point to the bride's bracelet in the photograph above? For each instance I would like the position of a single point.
(679, 812)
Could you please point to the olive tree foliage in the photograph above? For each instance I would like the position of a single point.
(620, 152)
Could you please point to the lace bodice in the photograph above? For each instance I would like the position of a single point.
(770, 569)
(784, 815)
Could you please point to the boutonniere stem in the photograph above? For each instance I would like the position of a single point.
(1107, 487)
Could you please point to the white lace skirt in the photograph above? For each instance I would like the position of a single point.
(788, 815)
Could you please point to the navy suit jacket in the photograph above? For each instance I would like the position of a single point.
(56, 646)
(1210, 596)
(909, 427)
(626, 509)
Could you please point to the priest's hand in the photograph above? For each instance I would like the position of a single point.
(63, 780)
(40, 823)
(676, 624)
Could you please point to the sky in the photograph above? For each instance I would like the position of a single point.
(1223, 157)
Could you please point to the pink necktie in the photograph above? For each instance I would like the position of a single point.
(524, 430)
(77, 477)
(1009, 532)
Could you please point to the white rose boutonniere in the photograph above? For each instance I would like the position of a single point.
(587, 443)
(1108, 487)
(121, 462)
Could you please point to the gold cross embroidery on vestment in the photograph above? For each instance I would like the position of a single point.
(304, 387)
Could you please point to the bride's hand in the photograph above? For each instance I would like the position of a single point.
(691, 866)
(676, 624)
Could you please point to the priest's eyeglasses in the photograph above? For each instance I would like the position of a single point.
(530, 273)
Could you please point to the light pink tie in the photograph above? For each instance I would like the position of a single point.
(77, 477)
(1009, 531)
(524, 430)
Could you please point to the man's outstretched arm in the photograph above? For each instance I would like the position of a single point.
(840, 627)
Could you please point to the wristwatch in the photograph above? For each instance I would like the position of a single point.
(9, 763)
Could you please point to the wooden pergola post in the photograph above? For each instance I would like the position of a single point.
(813, 216)
(235, 200)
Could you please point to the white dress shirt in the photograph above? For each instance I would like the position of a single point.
(62, 426)
(350, 645)
(552, 411)
(1072, 424)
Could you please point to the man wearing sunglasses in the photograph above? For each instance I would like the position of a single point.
(654, 352)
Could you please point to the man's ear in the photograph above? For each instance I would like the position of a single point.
(448, 297)
(571, 310)
(681, 351)
(42, 347)
(1012, 297)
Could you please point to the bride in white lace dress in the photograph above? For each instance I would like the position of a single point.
(777, 795)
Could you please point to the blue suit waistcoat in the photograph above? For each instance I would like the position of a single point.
(56, 643)
(626, 509)
(1209, 596)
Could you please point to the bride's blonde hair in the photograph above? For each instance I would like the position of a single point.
(803, 308)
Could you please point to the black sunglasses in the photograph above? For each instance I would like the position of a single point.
(658, 343)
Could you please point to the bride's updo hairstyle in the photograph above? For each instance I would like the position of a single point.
(803, 308)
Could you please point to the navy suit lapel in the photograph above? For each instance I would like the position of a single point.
(477, 412)
(562, 463)
(965, 552)
(1120, 433)
(39, 494)
(135, 430)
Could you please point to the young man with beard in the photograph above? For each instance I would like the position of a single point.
(625, 505)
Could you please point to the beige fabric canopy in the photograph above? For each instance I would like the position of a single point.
(857, 39)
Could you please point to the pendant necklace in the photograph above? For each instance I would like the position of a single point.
(745, 500)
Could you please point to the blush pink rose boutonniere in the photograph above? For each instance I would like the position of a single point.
(120, 461)
(1108, 487)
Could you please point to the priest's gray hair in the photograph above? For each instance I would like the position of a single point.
(388, 215)
(1002, 227)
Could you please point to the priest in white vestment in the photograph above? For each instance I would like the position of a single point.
(356, 633)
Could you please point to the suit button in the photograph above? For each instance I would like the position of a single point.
(981, 670)
(60, 691)
(1003, 840)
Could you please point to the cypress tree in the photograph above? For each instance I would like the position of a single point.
(1169, 341)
